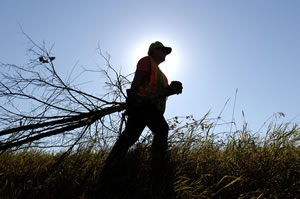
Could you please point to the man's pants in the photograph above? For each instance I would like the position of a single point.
(138, 118)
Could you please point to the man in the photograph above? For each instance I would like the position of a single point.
(146, 105)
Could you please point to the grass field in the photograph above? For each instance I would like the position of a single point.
(201, 165)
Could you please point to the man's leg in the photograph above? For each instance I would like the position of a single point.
(160, 129)
(134, 127)
(158, 125)
(113, 167)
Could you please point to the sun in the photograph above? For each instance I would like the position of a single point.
(170, 66)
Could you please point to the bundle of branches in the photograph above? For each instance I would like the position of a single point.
(37, 103)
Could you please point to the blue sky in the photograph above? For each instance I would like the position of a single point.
(218, 46)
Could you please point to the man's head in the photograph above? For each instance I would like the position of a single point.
(158, 51)
(158, 45)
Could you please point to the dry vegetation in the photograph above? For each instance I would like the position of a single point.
(202, 165)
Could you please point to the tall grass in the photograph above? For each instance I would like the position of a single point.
(243, 166)
(202, 164)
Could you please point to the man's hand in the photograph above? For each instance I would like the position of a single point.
(175, 87)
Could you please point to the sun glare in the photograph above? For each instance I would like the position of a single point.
(170, 66)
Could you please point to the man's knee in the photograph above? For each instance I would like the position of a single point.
(161, 133)
(126, 139)
(166, 127)
(164, 130)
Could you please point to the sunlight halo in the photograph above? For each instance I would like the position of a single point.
(170, 66)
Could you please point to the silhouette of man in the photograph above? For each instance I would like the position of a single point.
(146, 105)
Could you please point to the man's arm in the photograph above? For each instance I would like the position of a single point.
(138, 80)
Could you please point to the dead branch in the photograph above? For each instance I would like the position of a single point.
(37, 103)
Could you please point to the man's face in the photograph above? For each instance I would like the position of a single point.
(160, 53)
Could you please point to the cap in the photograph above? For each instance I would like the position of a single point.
(158, 44)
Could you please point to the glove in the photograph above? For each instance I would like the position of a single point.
(175, 87)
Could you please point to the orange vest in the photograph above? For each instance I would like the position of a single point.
(157, 81)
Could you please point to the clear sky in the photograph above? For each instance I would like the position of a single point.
(218, 46)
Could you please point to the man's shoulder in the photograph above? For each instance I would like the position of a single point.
(144, 64)
(145, 59)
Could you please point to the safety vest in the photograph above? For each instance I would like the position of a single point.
(157, 81)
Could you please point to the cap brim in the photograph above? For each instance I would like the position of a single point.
(168, 50)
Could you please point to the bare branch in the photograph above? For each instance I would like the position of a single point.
(37, 103)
